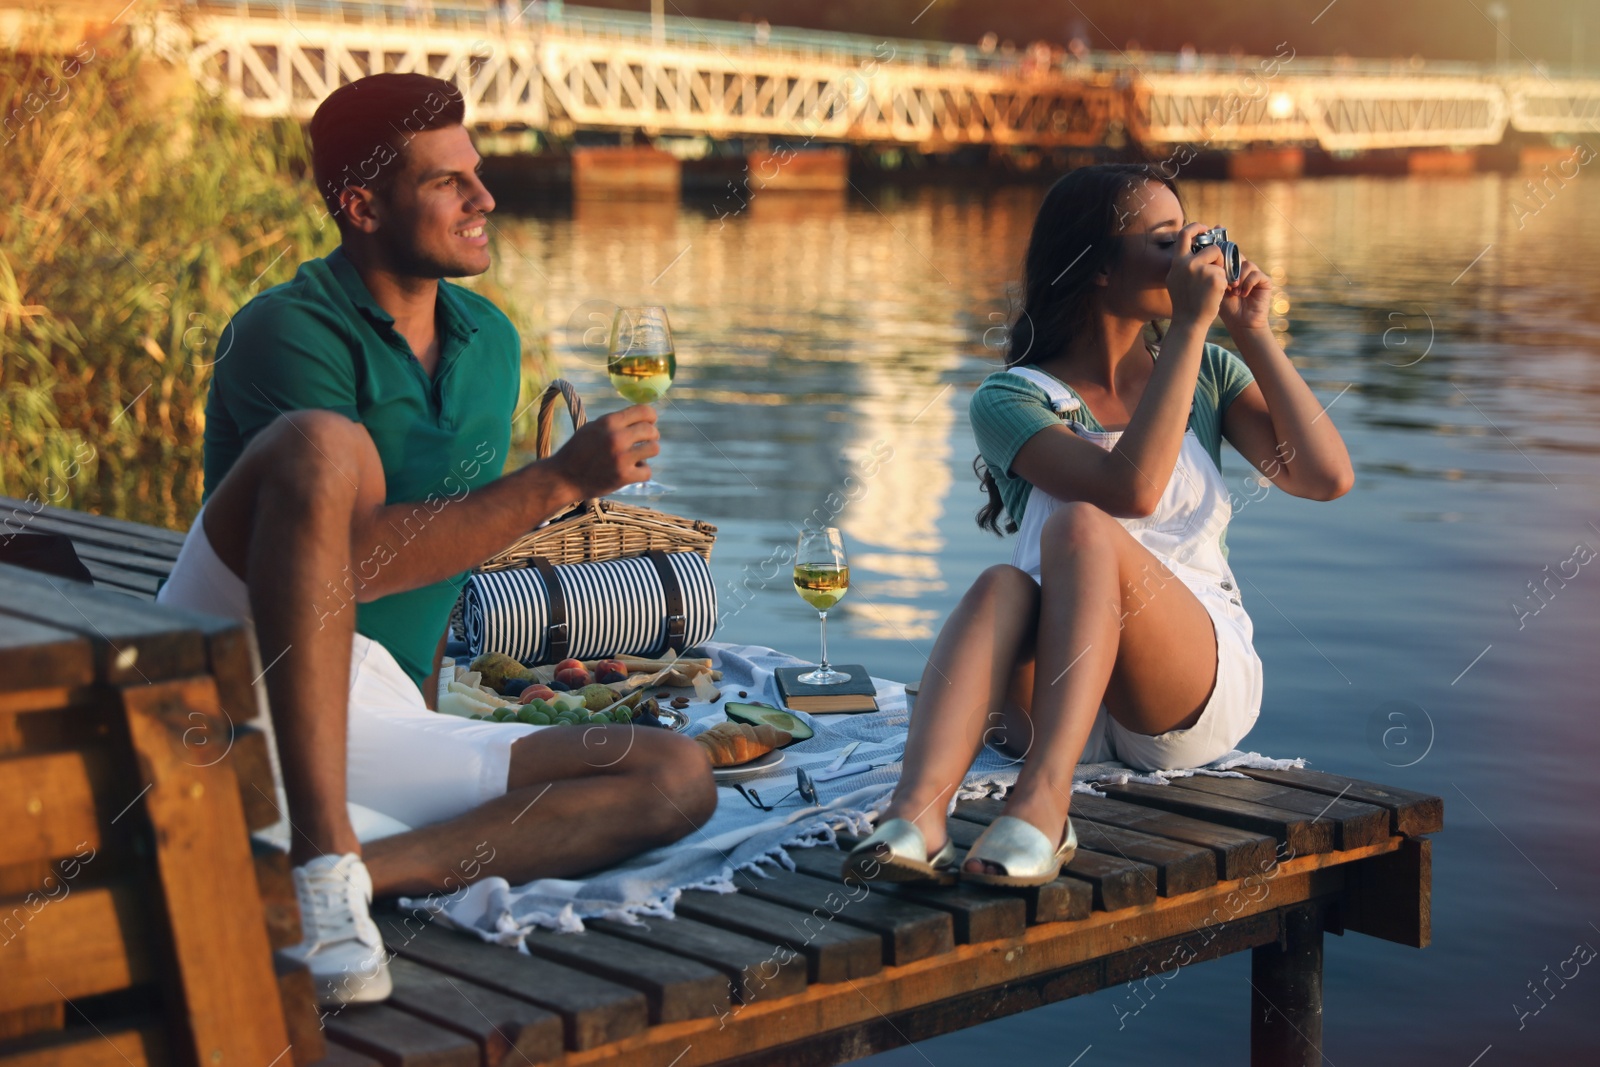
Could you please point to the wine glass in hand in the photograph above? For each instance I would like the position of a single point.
(641, 363)
(822, 577)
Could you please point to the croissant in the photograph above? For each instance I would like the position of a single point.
(730, 743)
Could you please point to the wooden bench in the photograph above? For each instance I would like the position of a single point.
(796, 968)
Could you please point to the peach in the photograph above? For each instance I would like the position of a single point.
(573, 677)
(537, 692)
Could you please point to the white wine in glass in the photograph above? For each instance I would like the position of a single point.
(642, 363)
(822, 577)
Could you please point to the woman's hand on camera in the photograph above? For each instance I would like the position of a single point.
(1196, 280)
(1246, 303)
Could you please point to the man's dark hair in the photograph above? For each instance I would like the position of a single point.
(359, 133)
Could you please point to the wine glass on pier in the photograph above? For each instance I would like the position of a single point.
(822, 577)
(642, 363)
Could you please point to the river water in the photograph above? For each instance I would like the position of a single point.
(1403, 642)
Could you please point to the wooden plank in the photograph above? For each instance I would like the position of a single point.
(1298, 830)
(977, 914)
(66, 725)
(34, 1019)
(297, 993)
(53, 804)
(1064, 900)
(910, 931)
(504, 1028)
(758, 967)
(399, 1039)
(1180, 867)
(275, 887)
(222, 961)
(1391, 896)
(95, 939)
(136, 1044)
(1286, 992)
(593, 1011)
(676, 987)
(1238, 852)
(132, 642)
(343, 1056)
(834, 952)
(981, 974)
(231, 659)
(121, 579)
(966, 1008)
(252, 768)
(1355, 825)
(33, 654)
(1411, 813)
(17, 513)
(1116, 882)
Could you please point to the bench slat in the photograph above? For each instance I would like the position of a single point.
(504, 1028)
(676, 987)
(222, 960)
(594, 1011)
(1411, 813)
(95, 939)
(20, 514)
(758, 967)
(55, 804)
(124, 1044)
(910, 931)
(1355, 825)
(1116, 882)
(835, 952)
(34, 655)
(978, 915)
(399, 1039)
(1296, 829)
(1238, 852)
(132, 642)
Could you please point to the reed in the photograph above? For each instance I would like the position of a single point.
(136, 215)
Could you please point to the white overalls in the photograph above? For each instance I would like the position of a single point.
(1184, 533)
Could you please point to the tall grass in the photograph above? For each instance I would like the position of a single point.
(136, 215)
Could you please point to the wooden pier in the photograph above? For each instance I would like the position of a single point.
(157, 944)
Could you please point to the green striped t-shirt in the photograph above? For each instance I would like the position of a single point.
(1007, 409)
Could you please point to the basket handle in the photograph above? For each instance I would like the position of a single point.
(547, 417)
(547, 413)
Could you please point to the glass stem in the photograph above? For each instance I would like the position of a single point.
(823, 668)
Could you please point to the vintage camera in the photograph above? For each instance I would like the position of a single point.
(1231, 259)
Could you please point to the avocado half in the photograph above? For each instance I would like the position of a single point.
(756, 714)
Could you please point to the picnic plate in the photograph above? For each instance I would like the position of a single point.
(753, 769)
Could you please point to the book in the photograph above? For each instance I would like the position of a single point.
(856, 695)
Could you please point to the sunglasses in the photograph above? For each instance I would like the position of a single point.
(803, 785)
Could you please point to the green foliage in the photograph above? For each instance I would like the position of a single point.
(136, 216)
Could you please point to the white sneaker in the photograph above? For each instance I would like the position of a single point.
(342, 946)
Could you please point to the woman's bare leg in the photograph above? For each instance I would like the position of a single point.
(1114, 624)
(966, 680)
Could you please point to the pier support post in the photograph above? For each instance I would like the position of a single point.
(1286, 993)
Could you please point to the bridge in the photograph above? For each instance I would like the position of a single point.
(614, 71)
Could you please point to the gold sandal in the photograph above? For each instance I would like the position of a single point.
(897, 852)
(1022, 851)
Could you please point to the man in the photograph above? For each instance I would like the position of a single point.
(358, 420)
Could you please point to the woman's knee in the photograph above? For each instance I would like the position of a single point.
(1002, 580)
(1075, 524)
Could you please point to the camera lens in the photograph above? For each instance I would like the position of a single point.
(1230, 261)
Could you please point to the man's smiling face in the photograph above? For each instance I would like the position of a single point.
(432, 215)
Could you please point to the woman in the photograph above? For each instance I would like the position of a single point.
(1118, 630)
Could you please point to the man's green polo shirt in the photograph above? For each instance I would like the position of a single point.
(321, 341)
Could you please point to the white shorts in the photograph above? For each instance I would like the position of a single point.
(404, 761)
(1230, 712)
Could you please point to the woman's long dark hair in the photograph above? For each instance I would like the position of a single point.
(1072, 241)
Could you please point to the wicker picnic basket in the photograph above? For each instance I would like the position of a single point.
(594, 530)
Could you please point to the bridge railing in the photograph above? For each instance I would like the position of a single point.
(737, 37)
